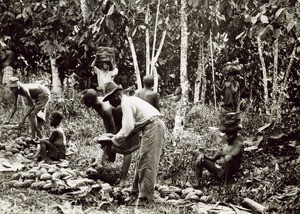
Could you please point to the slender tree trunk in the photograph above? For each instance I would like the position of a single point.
(212, 68)
(162, 41)
(84, 10)
(203, 81)
(56, 84)
(275, 72)
(147, 37)
(284, 85)
(134, 59)
(199, 72)
(154, 38)
(265, 75)
(182, 105)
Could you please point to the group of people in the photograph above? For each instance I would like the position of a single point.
(132, 123)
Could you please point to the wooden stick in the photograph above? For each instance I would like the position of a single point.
(254, 206)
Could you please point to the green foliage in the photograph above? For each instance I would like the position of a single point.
(196, 138)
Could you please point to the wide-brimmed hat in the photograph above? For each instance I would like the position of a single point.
(230, 122)
(13, 82)
(110, 88)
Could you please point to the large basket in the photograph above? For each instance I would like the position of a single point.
(105, 54)
(233, 69)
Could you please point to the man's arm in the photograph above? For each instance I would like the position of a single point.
(115, 70)
(128, 124)
(53, 137)
(31, 106)
(156, 104)
(215, 157)
(14, 108)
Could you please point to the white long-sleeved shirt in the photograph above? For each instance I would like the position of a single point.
(135, 111)
(105, 76)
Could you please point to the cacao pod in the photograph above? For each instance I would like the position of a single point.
(16, 176)
(45, 176)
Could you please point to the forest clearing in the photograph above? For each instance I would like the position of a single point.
(223, 78)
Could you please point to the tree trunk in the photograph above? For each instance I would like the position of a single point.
(56, 84)
(284, 85)
(203, 81)
(275, 72)
(147, 37)
(84, 10)
(212, 68)
(265, 75)
(182, 105)
(199, 72)
(154, 38)
(135, 62)
(162, 41)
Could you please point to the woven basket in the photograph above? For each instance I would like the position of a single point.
(106, 54)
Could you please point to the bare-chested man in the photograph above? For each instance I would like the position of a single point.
(37, 96)
(231, 155)
(147, 93)
(112, 119)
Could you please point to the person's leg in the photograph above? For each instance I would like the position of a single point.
(151, 146)
(211, 167)
(40, 105)
(41, 153)
(229, 171)
(33, 122)
(198, 172)
(125, 168)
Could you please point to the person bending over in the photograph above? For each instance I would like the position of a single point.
(37, 96)
(112, 118)
(139, 115)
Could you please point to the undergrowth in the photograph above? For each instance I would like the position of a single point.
(260, 178)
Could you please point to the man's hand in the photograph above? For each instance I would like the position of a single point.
(104, 140)
(110, 135)
(200, 158)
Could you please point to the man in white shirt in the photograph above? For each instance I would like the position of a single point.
(139, 115)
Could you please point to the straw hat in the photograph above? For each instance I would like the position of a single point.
(109, 89)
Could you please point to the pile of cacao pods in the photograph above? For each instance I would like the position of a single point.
(22, 145)
(177, 195)
(48, 177)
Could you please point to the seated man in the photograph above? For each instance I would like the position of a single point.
(231, 153)
(37, 96)
(112, 119)
(147, 93)
(53, 148)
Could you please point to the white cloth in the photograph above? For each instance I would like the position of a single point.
(105, 76)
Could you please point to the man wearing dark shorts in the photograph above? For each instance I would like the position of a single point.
(37, 96)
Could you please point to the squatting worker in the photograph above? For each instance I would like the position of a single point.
(139, 115)
(37, 96)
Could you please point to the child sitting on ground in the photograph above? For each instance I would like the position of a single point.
(53, 148)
